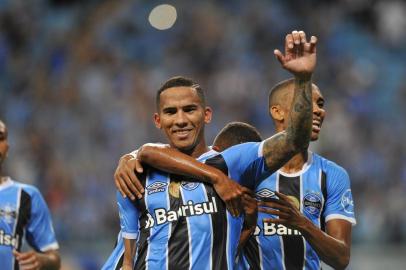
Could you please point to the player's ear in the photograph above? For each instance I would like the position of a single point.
(276, 112)
(157, 120)
(207, 114)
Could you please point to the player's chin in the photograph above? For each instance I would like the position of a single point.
(314, 136)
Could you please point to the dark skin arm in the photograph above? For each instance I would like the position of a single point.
(130, 249)
(332, 246)
(173, 161)
(300, 60)
(31, 260)
(250, 220)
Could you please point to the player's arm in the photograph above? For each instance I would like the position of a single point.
(40, 235)
(300, 60)
(173, 161)
(130, 249)
(332, 246)
(250, 220)
(31, 260)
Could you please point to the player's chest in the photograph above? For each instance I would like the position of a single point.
(305, 190)
(172, 192)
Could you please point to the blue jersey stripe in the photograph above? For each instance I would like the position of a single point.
(158, 239)
(199, 239)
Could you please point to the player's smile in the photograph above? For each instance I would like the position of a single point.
(182, 133)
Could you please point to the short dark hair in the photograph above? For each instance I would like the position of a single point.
(276, 92)
(235, 133)
(180, 81)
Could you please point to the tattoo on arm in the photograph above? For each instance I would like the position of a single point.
(281, 147)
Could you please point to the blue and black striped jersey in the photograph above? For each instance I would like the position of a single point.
(322, 192)
(183, 224)
(23, 211)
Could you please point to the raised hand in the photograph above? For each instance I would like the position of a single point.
(300, 55)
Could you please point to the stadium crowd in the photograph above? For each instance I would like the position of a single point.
(78, 80)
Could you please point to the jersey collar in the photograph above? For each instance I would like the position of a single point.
(7, 183)
(305, 167)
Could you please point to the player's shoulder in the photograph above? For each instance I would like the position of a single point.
(28, 188)
(328, 166)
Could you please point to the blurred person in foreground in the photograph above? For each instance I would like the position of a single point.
(184, 220)
(23, 211)
(306, 207)
(233, 133)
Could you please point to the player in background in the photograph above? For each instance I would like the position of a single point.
(306, 208)
(233, 133)
(23, 212)
(245, 161)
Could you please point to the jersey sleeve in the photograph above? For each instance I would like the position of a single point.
(40, 232)
(246, 164)
(129, 215)
(339, 203)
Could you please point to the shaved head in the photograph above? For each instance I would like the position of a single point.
(280, 93)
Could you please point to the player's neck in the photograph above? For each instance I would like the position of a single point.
(198, 150)
(2, 179)
(296, 163)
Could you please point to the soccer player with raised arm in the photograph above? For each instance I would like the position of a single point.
(233, 133)
(23, 212)
(182, 224)
(306, 209)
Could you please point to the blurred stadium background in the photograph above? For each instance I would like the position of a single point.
(78, 80)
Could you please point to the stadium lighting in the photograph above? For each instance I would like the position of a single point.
(163, 17)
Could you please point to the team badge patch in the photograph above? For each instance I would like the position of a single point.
(190, 185)
(312, 203)
(8, 213)
(347, 203)
(265, 193)
(156, 187)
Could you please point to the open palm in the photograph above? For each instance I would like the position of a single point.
(300, 55)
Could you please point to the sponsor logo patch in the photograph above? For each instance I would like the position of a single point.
(312, 203)
(347, 203)
(156, 187)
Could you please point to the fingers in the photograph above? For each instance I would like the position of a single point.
(27, 260)
(302, 36)
(118, 186)
(274, 212)
(313, 42)
(138, 166)
(288, 42)
(231, 209)
(279, 56)
(274, 205)
(296, 38)
(247, 191)
(275, 220)
(133, 183)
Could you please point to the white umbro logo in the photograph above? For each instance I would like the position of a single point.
(156, 187)
(265, 193)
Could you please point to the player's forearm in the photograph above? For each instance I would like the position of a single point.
(173, 161)
(245, 235)
(281, 147)
(332, 251)
(50, 260)
(130, 249)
